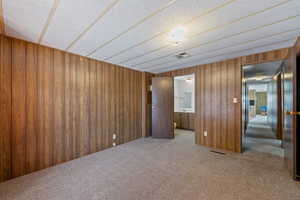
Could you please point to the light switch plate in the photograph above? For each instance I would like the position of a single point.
(235, 100)
(205, 133)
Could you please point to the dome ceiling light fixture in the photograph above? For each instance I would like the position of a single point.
(177, 35)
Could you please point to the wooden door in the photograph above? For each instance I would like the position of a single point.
(162, 107)
(289, 106)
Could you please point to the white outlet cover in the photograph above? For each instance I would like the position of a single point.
(235, 100)
(205, 133)
(114, 136)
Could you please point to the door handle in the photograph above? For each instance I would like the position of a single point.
(292, 113)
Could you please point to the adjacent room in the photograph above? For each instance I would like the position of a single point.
(184, 106)
(263, 108)
(149, 100)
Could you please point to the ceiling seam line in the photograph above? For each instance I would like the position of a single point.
(223, 38)
(209, 11)
(233, 46)
(243, 43)
(243, 50)
(244, 17)
(100, 16)
(216, 27)
(49, 20)
(133, 26)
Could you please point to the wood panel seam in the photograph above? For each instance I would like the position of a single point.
(212, 29)
(213, 41)
(162, 8)
(89, 27)
(209, 11)
(233, 52)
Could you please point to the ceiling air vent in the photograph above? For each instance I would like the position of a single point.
(182, 55)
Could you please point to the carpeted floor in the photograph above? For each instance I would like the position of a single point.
(159, 169)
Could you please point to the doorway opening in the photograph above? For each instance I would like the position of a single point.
(262, 108)
(297, 131)
(184, 106)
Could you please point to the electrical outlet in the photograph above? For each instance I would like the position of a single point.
(205, 133)
(114, 136)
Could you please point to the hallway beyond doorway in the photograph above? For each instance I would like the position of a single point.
(260, 138)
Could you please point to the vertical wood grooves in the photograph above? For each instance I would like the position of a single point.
(216, 86)
(57, 106)
(214, 101)
(18, 108)
(5, 108)
(35, 95)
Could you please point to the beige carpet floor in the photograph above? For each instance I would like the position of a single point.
(159, 169)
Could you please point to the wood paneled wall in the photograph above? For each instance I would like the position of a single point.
(216, 86)
(57, 106)
(184, 120)
(5, 108)
(269, 56)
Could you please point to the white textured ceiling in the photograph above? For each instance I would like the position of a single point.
(134, 33)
